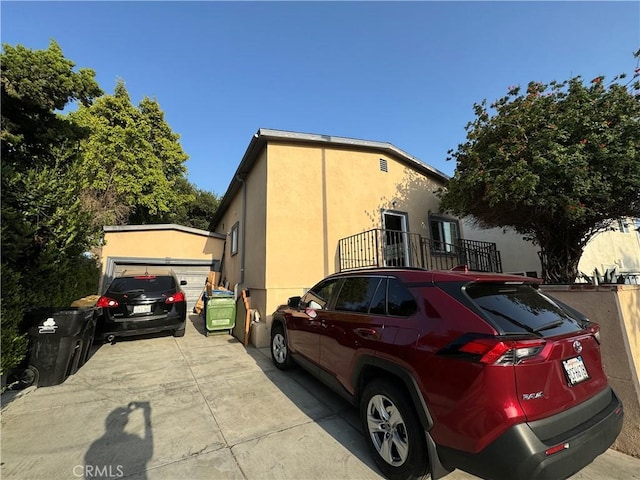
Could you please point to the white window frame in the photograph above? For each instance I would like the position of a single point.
(234, 238)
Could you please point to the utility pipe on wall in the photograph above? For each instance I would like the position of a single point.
(243, 226)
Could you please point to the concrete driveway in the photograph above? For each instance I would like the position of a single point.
(200, 408)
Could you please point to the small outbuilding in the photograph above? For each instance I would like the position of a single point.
(191, 253)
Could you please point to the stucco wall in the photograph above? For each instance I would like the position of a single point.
(617, 309)
(155, 243)
(517, 255)
(614, 249)
(301, 199)
(316, 196)
(231, 263)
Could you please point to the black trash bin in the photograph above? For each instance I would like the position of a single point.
(59, 341)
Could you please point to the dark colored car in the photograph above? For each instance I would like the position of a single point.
(480, 372)
(137, 303)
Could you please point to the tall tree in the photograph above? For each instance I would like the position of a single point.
(197, 213)
(557, 163)
(44, 228)
(132, 162)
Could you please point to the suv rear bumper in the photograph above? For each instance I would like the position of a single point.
(519, 454)
(126, 328)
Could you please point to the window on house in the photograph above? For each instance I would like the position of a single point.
(445, 234)
(234, 238)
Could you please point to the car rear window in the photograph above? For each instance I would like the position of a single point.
(377, 296)
(356, 294)
(146, 283)
(521, 309)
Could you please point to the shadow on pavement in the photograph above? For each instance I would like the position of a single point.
(119, 453)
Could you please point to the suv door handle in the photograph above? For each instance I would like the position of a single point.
(368, 333)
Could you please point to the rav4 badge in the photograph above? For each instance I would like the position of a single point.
(532, 396)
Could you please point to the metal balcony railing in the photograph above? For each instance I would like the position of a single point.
(390, 248)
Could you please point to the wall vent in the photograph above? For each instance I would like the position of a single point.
(383, 165)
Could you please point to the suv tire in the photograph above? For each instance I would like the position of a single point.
(279, 349)
(180, 332)
(393, 432)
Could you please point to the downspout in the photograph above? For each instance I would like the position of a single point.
(244, 225)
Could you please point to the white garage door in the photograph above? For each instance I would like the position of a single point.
(194, 274)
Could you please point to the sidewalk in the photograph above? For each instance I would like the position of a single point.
(215, 409)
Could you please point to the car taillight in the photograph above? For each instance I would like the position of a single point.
(494, 350)
(106, 302)
(176, 297)
(594, 329)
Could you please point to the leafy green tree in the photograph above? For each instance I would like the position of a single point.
(201, 210)
(197, 213)
(44, 227)
(132, 162)
(558, 163)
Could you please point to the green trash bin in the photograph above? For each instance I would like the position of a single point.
(220, 312)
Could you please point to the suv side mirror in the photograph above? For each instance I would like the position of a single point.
(183, 282)
(293, 302)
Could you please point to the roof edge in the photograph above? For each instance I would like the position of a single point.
(263, 135)
(162, 226)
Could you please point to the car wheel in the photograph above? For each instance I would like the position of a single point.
(279, 349)
(23, 377)
(393, 431)
(179, 332)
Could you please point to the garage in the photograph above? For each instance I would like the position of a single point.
(194, 272)
(191, 253)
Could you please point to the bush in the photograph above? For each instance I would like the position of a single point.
(56, 285)
(14, 345)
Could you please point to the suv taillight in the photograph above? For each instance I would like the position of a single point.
(494, 350)
(106, 302)
(594, 329)
(177, 297)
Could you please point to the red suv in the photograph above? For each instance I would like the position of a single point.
(480, 372)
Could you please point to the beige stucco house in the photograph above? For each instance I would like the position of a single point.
(302, 206)
(613, 255)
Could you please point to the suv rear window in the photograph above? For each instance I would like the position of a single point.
(356, 294)
(521, 309)
(150, 283)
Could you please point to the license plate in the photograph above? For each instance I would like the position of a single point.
(575, 370)
(141, 308)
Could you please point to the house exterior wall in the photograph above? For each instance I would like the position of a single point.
(606, 251)
(317, 195)
(301, 199)
(518, 255)
(614, 249)
(252, 239)
(160, 244)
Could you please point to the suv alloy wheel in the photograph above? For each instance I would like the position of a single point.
(393, 432)
(279, 351)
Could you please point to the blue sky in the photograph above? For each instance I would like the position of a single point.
(407, 73)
